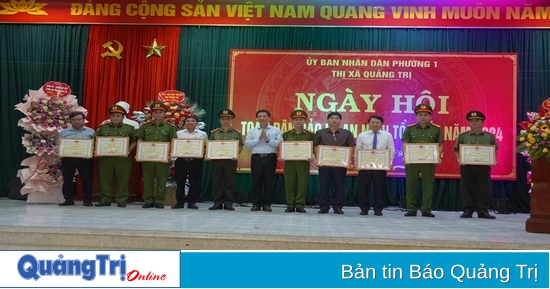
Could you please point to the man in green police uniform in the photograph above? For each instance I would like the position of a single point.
(224, 171)
(119, 166)
(296, 173)
(421, 132)
(160, 131)
(471, 174)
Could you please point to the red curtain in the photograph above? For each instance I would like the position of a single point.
(135, 78)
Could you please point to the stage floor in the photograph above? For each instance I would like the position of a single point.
(43, 226)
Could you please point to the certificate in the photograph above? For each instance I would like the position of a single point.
(149, 151)
(425, 153)
(334, 156)
(76, 148)
(370, 159)
(483, 155)
(219, 150)
(112, 146)
(187, 148)
(296, 150)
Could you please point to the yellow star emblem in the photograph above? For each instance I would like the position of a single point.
(154, 49)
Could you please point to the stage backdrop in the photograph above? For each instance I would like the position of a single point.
(361, 84)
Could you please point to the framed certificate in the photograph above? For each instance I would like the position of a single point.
(369, 159)
(296, 150)
(483, 155)
(219, 150)
(76, 148)
(334, 156)
(149, 151)
(115, 146)
(187, 148)
(421, 153)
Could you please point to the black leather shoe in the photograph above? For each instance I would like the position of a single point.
(428, 214)
(121, 205)
(228, 207)
(87, 204)
(364, 212)
(290, 210)
(103, 204)
(410, 214)
(485, 215)
(267, 208)
(338, 211)
(159, 206)
(323, 211)
(216, 207)
(148, 205)
(300, 210)
(192, 206)
(67, 203)
(255, 208)
(378, 213)
(177, 206)
(466, 215)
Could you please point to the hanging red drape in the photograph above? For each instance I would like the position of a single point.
(134, 78)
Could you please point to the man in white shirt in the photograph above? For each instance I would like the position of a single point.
(189, 167)
(264, 141)
(374, 138)
(126, 120)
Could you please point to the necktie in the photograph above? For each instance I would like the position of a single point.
(375, 140)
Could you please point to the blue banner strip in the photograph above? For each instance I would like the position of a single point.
(365, 269)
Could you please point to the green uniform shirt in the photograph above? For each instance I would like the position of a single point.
(291, 135)
(469, 137)
(416, 134)
(121, 130)
(230, 134)
(163, 132)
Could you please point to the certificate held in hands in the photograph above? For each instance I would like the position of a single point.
(295, 150)
(187, 148)
(372, 159)
(333, 156)
(76, 148)
(424, 153)
(112, 146)
(482, 155)
(148, 151)
(220, 150)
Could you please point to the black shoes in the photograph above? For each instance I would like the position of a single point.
(410, 214)
(228, 207)
(338, 211)
(267, 208)
(290, 210)
(428, 214)
(148, 205)
(216, 207)
(378, 213)
(87, 204)
(192, 206)
(466, 215)
(178, 206)
(103, 204)
(121, 205)
(364, 212)
(323, 211)
(255, 208)
(159, 206)
(67, 203)
(485, 215)
(300, 210)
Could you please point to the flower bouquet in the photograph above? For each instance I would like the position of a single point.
(534, 136)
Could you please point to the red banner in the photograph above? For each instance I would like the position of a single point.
(378, 13)
(361, 84)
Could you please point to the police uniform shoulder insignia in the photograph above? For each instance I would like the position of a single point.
(147, 122)
(171, 124)
(215, 130)
(288, 131)
(306, 130)
(436, 125)
(411, 125)
(236, 130)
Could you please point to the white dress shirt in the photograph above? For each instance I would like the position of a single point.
(273, 134)
(197, 133)
(384, 140)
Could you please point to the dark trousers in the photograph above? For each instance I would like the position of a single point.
(378, 180)
(328, 176)
(223, 180)
(85, 168)
(480, 175)
(192, 169)
(262, 168)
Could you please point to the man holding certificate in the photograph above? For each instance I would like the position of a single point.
(70, 165)
(296, 172)
(471, 174)
(224, 171)
(264, 141)
(423, 132)
(119, 165)
(332, 136)
(189, 167)
(155, 174)
(374, 138)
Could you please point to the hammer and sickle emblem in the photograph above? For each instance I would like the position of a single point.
(115, 53)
